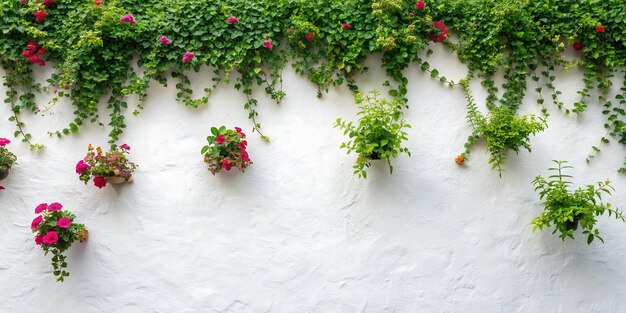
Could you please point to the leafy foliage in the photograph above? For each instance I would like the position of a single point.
(379, 133)
(7, 159)
(502, 130)
(565, 209)
(226, 149)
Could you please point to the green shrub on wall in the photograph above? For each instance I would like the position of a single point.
(115, 48)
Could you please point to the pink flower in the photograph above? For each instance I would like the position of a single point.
(40, 208)
(42, 51)
(55, 206)
(220, 139)
(578, 46)
(124, 147)
(599, 29)
(188, 57)
(443, 32)
(226, 164)
(36, 221)
(420, 5)
(64, 222)
(99, 182)
(34, 58)
(232, 20)
(244, 156)
(23, 2)
(268, 44)
(164, 40)
(41, 63)
(51, 237)
(40, 16)
(97, 2)
(26, 53)
(4, 142)
(39, 239)
(309, 37)
(31, 46)
(128, 18)
(240, 132)
(81, 167)
(346, 26)
(242, 145)
(47, 3)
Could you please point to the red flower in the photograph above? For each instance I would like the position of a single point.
(268, 44)
(42, 51)
(100, 182)
(26, 53)
(40, 16)
(420, 5)
(578, 45)
(33, 58)
(244, 156)
(242, 145)
(309, 36)
(97, 2)
(39, 239)
(460, 160)
(47, 2)
(31, 46)
(220, 139)
(35, 223)
(2, 188)
(240, 132)
(41, 63)
(226, 164)
(51, 238)
(442, 30)
(346, 26)
(599, 29)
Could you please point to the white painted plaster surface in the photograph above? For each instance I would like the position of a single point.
(298, 232)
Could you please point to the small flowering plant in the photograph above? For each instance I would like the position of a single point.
(105, 167)
(566, 209)
(379, 133)
(226, 149)
(7, 158)
(55, 231)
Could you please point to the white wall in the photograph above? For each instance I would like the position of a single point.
(298, 232)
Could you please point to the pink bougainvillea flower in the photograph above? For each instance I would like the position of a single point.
(51, 238)
(39, 239)
(128, 18)
(40, 16)
(268, 44)
(33, 58)
(233, 19)
(99, 182)
(55, 206)
(164, 40)
(31, 46)
(309, 37)
(42, 51)
(4, 142)
(220, 139)
(36, 221)
(125, 147)
(600, 29)
(346, 26)
(188, 57)
(81, 167)
(226, 165)
(41, 63)
(443, 32)
(40, 208)
(64, 222)
(26, 53)
(578, 45)
(242, 145)
(420, 5)
(97, 2)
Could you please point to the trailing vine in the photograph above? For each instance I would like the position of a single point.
(115, 48)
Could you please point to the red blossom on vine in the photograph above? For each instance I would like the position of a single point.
(309, 36)
(97, 2)
(40, 16)
(442, 30)
(268, 44)
(129, 18)
(578, 46)
(188, 57)
(599, 29)
(420, 5)
(346, 26)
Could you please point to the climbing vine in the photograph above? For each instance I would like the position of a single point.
(107, 50)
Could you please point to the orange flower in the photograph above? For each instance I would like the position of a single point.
(90, 147)
(460, 160)
(99, 150)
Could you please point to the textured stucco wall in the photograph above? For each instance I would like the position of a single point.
(298, 232)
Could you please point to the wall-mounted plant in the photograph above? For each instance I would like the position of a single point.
(226, 149)
(112, 167)
(55, 231)
(566, 209)
(379, 133)
(7, 158)
(502, 130)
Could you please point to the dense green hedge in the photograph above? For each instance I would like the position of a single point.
(93, 46)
